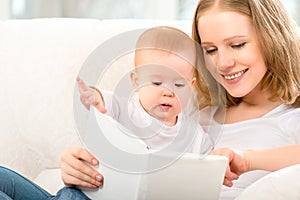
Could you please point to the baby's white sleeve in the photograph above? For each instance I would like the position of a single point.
(110, 103)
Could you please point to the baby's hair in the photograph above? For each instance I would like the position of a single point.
(168, 39)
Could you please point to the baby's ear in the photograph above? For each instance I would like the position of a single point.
(134, 78)
(193, 81)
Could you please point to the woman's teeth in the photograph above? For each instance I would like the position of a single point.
(233, 76)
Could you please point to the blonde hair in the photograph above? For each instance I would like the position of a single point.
(278, 35)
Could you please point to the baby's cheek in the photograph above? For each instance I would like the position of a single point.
(145, 104)
(181, 102)
(183, 99)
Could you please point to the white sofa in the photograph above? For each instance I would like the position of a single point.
(39, 62)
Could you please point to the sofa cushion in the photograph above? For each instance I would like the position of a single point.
(280, 185)
(50, 179)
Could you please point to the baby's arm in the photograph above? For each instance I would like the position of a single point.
(91, 96)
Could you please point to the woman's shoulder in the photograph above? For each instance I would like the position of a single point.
(287, 118)
(283, 110)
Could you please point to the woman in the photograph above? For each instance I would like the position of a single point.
(252, 53)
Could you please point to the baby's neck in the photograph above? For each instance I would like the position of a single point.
(171, 122)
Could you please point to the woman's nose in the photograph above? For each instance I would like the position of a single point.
(224, 60)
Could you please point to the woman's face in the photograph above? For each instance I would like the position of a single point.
(232, 51)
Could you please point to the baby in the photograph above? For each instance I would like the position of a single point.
(163, 78)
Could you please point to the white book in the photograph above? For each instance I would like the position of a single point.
(132, 172)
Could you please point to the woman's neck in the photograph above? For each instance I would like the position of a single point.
(257, 97)
(254, 105)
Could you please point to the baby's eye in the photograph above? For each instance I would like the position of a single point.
(156, 82)
(179, 84)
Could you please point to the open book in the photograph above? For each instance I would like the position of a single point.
(129, 172)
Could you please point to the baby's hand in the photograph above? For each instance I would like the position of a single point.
(90, 96)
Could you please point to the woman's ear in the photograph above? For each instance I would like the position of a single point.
(134, 78)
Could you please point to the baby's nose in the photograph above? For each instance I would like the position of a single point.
(167, 92)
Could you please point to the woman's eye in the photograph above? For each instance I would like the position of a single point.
(210, 51)
(156, 82)
(238, 46)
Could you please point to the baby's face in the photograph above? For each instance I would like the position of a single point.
(164, 83)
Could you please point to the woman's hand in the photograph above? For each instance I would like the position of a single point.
(237, 164)
(77, 170)
(90, 96)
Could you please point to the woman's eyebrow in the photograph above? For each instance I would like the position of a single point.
(225, 40)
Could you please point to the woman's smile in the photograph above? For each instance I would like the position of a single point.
(234, 77)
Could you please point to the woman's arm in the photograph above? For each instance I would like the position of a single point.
(240, 162)
(273, 159)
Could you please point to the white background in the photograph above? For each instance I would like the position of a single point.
(107, 9)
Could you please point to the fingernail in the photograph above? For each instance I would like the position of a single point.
(98, 178)
(94, 162)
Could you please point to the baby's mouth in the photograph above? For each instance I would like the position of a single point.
(165, 106)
